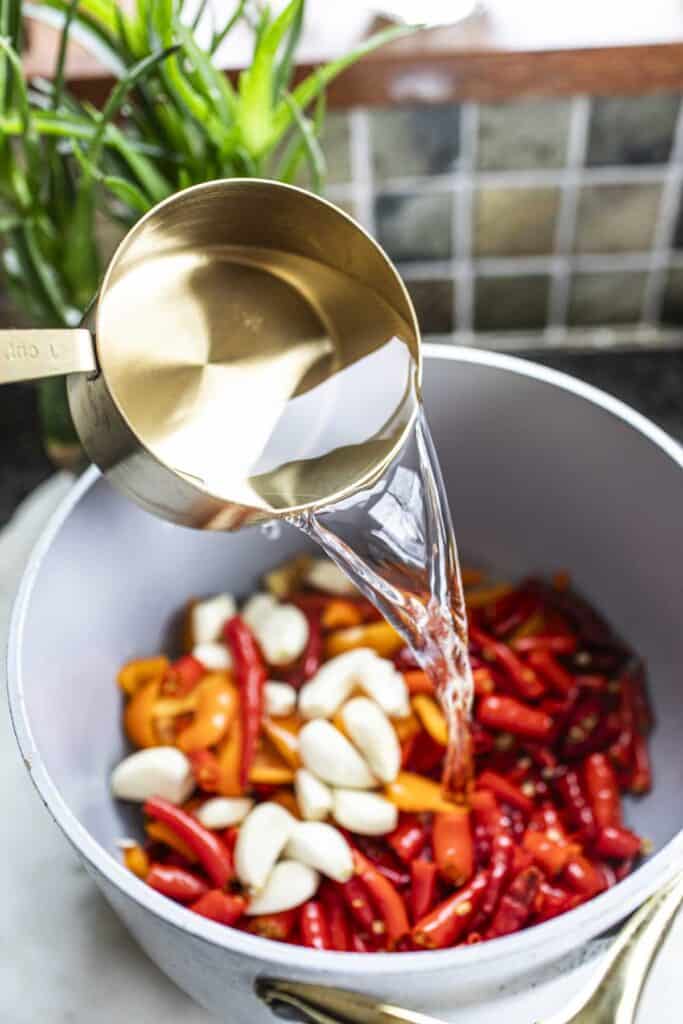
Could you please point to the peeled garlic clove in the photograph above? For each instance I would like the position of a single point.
(371, 731)
(262, 837)
(209, 617)
(156, 771)
(330, 687)
(383, 683)
(213, 656)
(330, 757)
(281, 629)
(365, 813)
(313, 796)
(279, 699)
(289, 884)
(326, 576)
(322, 847)
(224, 811)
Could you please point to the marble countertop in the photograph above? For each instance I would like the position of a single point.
(67, 960)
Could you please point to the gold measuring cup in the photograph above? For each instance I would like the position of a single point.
(252, 353)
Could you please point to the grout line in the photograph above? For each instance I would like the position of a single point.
(565, 233)
(361, 168)
(664, 230)
(463, 216)
(511, 266)
(542, 178)
(626, 337)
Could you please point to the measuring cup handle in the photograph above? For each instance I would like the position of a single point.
(28, 354)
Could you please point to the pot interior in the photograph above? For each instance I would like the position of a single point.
(539, 479)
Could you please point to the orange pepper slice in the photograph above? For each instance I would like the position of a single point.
(138, 715)
(136, 860)
(270, 769)
(216, 708)
(379, 636)
(485, 595)
(414, 793)
(407, 727)
(230, 758)
(285, 798)
(135, 674)
(161, 833)
(340, 614)
(471, 577)
(432, 717)
(285, 742)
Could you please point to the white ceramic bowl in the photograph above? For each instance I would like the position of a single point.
(542, 472)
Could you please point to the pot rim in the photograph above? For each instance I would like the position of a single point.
(577, 925)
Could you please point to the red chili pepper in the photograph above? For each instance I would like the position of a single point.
(542, 756)
(357, 900)
(555, 643)
(486, 812)
(602, 790)
(641, 704)
(516, 904)
(423, 887)
(584, 877)
(310, 660)
(338, 921)
(556, 675)
(578, 810)
(210, 851)
(500, 870)
(176, 883)
(505, 791)
(425, 755)
(523, 679)
(525, 607)
(550, 853)
(555, 901)
(453, 845)
(226, 908)
(383, 859)
(590, 728)
(206, 769)
(386, 898)
(510, 715)
(408, 839)
(251, 677)
(405, 660)
(359, 944)
(315, 931)
(452, 919)
(623, 869)
(274, 926)
(182, 676)
(617, 843)
(641, 779)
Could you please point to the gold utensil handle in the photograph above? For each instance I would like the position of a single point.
(28, 355)
(611, 996)
(318, 1004)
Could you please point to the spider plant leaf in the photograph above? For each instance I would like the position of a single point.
(95, 24)
(124, 190)
(310, 145)
(216, 86)
(256, 84)
(199, 14)
(150, 177)
(58, 88)
(283, 73)
(217, 37)
(306, 91)
(29, 137)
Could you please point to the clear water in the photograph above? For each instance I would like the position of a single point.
(395, 541)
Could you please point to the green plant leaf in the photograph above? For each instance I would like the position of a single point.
(256, 84)
(310, 147)
(216, 86)
(318, 80)
(218, 37)
(283, 73)
(58, 89)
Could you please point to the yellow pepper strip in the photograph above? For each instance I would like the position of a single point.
(432, 717)
(379, 636)
(216, 708)
(407, 727)
(483, 596)
(269, 768)
(285, 798)
(230, 758)
(534, 625)
(285, 578)
(292, 723)
(338, 722)
(136, 673)
(171, 707)
(138, 715)
(136, 860)
(340, 614)
(471, 577)
(161, 833)
(414, 793)
(285, 742)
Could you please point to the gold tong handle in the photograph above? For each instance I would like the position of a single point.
(28, 355)
(318, 1004)
(612, 995)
